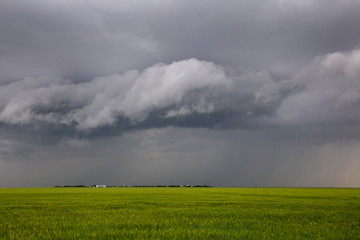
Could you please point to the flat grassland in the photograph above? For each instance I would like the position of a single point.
(179, 213)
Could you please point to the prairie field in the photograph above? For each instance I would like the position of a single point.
(179, 213)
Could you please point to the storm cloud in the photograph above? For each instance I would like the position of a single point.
(326, 91)
(85, 39)
(171, 93)
(230, 93)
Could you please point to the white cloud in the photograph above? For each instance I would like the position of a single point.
(326, 91)
(132, 95)
(331, 91)
(181, 88)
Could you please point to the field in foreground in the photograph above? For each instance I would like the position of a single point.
(179, 213)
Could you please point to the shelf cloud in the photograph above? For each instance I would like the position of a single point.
(171, 93)
(175, 94)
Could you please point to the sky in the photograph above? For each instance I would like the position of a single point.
(233, 93)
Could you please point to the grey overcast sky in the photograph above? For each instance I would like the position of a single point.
(225, 93)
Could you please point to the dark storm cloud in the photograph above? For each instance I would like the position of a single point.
(84, 39)
(226, 93)
(182, 156)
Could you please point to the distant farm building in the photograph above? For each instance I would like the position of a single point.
(103, 186)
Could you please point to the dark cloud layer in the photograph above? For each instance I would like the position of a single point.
(186, 156)
(231, 93)
(84, 39)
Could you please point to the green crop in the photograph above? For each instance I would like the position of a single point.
(179, 213)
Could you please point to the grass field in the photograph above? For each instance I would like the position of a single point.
(179, 213)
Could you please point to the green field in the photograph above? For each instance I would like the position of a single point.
(179, 213)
